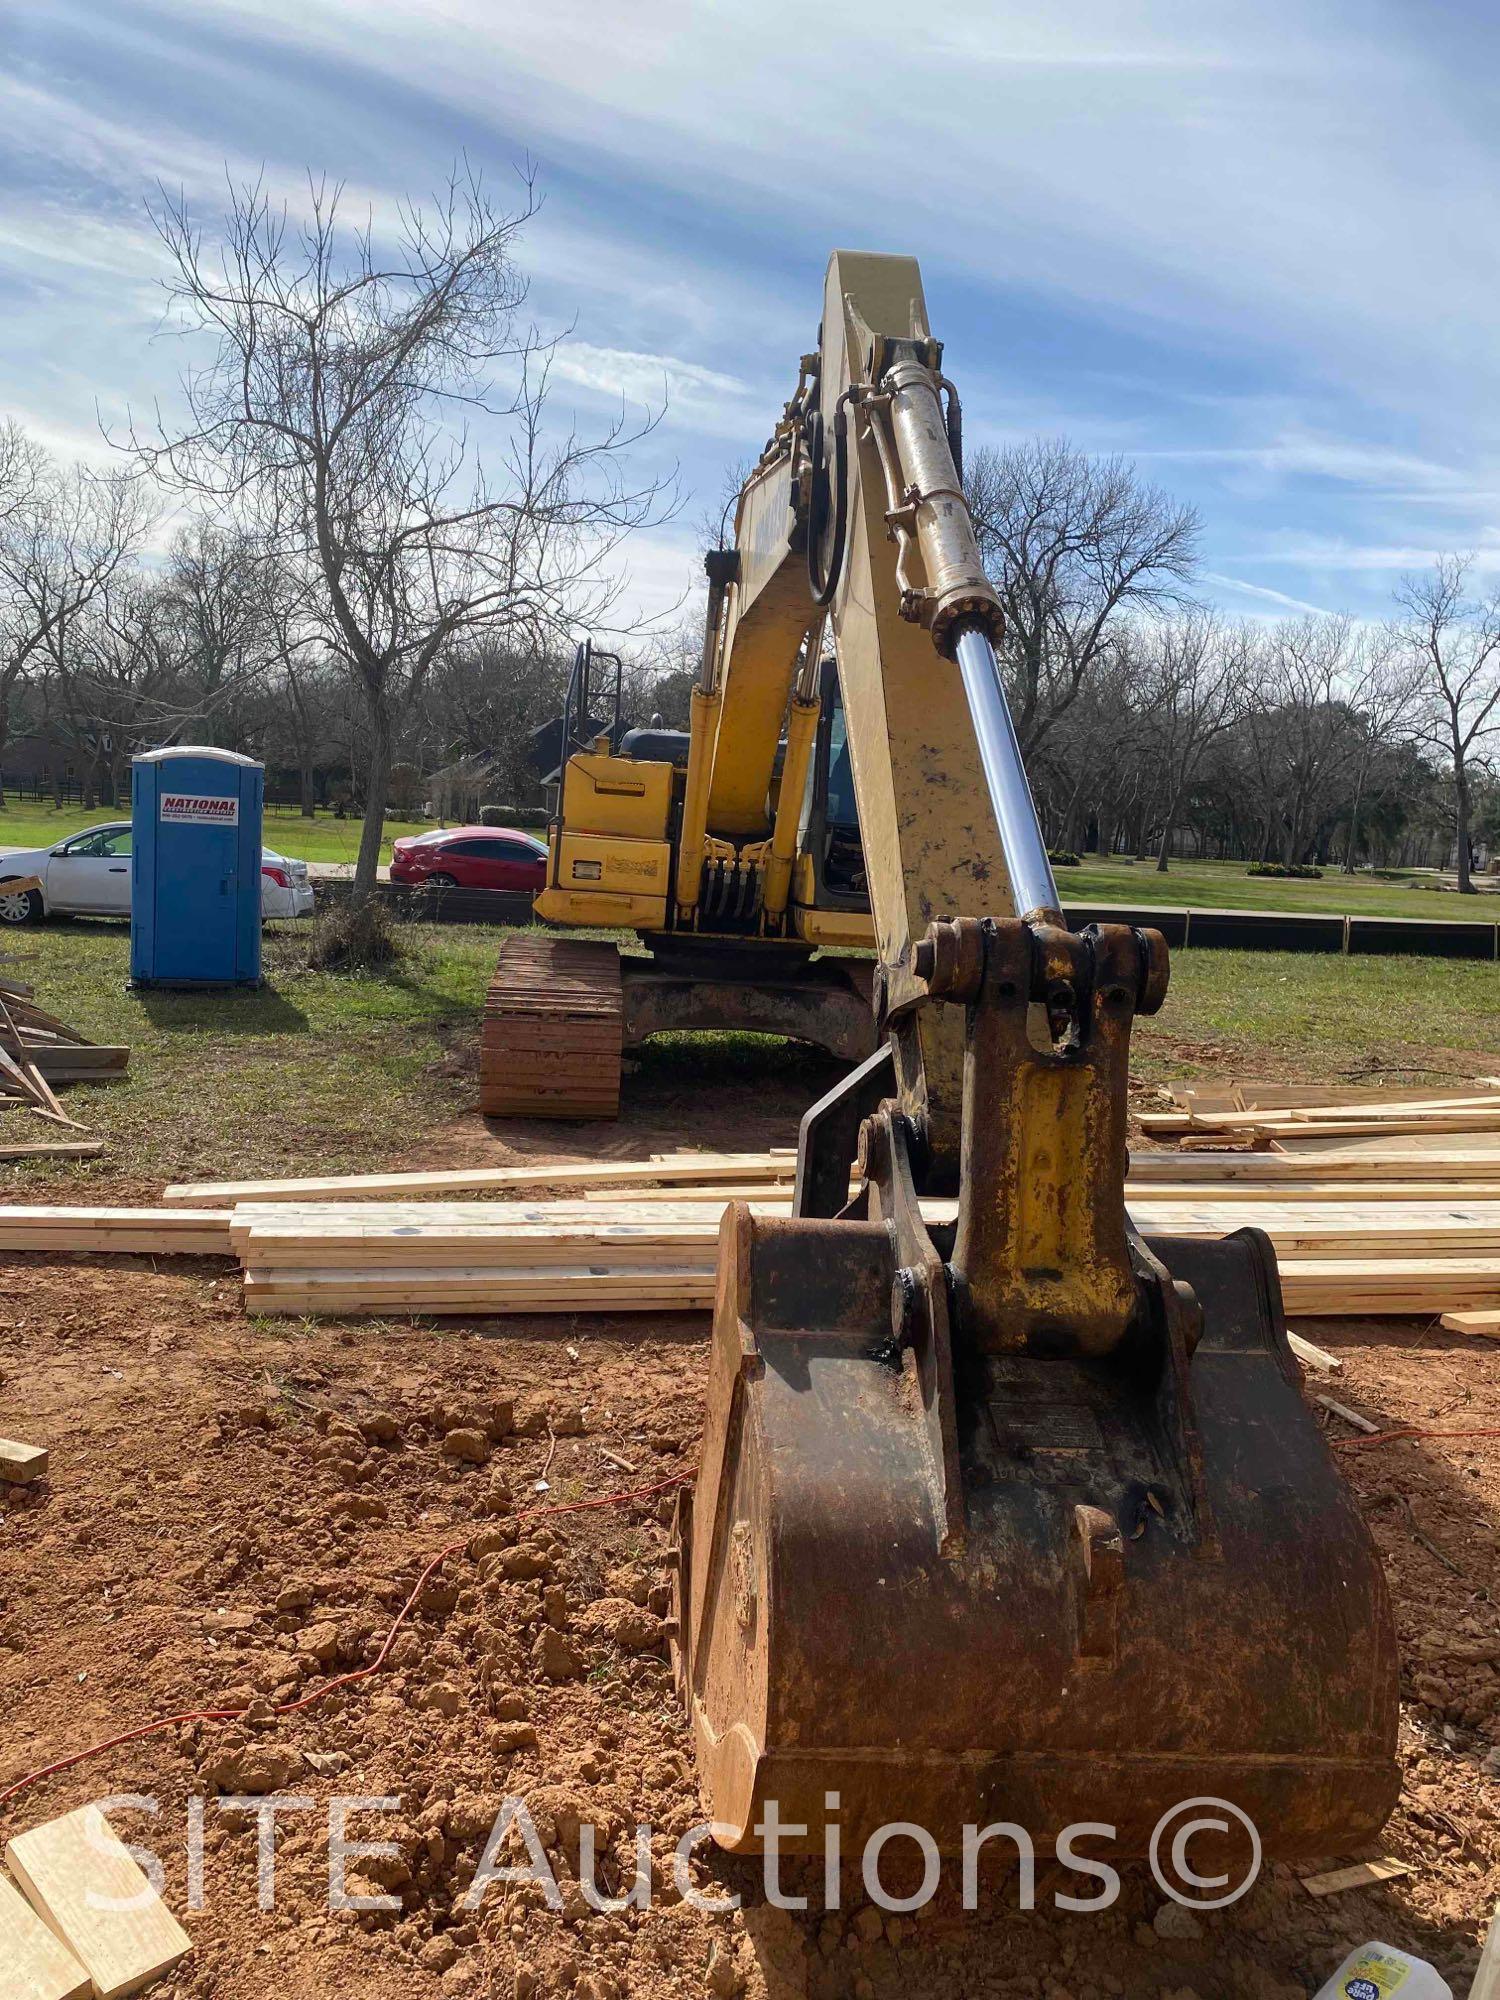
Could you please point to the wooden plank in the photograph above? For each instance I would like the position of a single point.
(21, 1463)
(43, 1149)
(117, 1242)
(1486, 1984)
(70, 1062)
(1352, 1124)
(699, 1167)
(80, 1879)
(1473, 1322)
(1326, 1159)
(1350, 1417)
(171, 1232)
(1235, 1095)
(1255, 1118)
(38, 1965)
(1315, 1357)
(1479, 1155)
(1359, 1875)
(61, 1216)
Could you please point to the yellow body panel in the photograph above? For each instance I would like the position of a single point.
(617, 795)
(844, 929)
(607, 879)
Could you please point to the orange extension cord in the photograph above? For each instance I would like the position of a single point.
(343, 1680)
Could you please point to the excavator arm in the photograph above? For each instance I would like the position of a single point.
(1003, 1512)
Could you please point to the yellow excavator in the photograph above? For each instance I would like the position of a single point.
(1004, 1512)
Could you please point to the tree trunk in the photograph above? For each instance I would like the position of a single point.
(377, 782)
(1164, 850)
(308, 782)
(1350, 850)
(1461, 827)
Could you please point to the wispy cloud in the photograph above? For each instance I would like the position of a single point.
(1261, 592)
(1236, 244)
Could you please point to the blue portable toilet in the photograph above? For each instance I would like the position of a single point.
(195, 868)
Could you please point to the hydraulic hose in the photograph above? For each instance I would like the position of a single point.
(824, 588)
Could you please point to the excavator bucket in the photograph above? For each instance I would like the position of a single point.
(963, 1550)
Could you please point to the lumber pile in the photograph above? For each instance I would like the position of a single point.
(656, 1252)
(1380, 1228)
(37, 1050)
(1271, 1113)
(167, 1232)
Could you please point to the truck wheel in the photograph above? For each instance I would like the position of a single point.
(20, 906)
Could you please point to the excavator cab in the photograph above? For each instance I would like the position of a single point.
(1004, 1512)
(831, 890)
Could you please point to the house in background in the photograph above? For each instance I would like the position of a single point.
(37, 764)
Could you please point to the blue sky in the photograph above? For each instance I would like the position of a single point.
(1252, 248)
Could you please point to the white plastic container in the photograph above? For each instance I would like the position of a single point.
(1381, 1972)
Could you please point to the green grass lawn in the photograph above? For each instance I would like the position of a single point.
(1218, 885)
(328, 1073)
(1224, 885)
(1320, 1017)
(286, 831)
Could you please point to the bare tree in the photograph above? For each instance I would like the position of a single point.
(1195, 676)
(1071, 544)
(120, 682)
(1453, 644)
(214, 590)
(347, 364)
(67, 534)
(306, 679)
(1383, 700)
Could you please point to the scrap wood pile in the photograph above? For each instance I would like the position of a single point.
(1285, 1115)
(37, 1051)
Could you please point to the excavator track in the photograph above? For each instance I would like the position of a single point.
(553, 1029)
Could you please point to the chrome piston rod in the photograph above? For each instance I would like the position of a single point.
(1032, 889)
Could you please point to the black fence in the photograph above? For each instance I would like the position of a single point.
(1234, 930)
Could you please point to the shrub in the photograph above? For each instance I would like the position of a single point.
(353, 937)
(1064, 858)
(513, 816)
(1293, 871)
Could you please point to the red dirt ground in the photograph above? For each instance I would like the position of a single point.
(237, 1509)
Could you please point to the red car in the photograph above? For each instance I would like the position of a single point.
(471, 857)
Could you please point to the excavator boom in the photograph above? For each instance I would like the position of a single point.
(1003, 1512)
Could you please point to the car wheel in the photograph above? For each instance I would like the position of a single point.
(441, 882)
(20, 906)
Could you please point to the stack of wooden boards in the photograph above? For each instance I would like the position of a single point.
(1402, 1230)
(1356, 1129)
(37, 1051)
